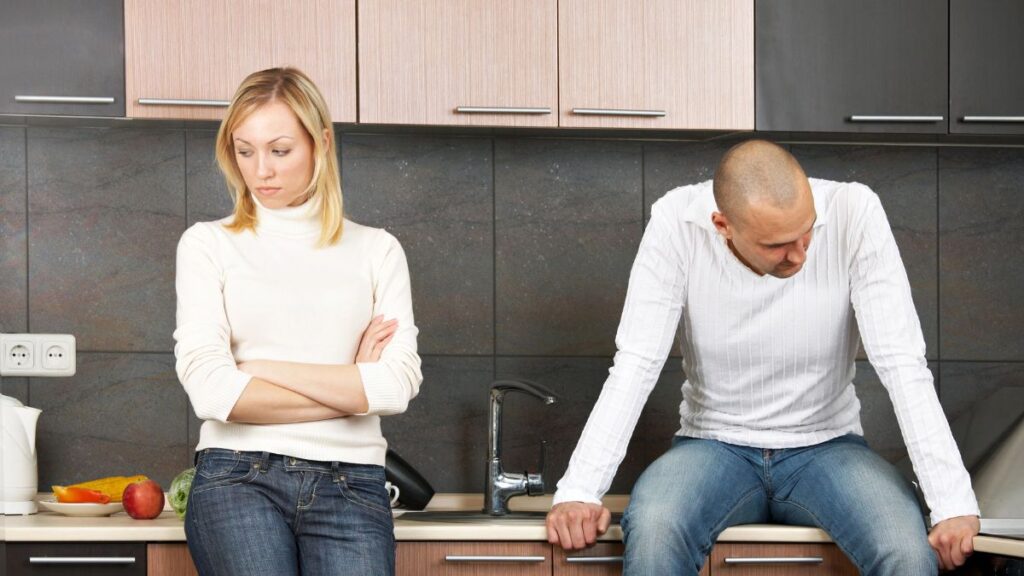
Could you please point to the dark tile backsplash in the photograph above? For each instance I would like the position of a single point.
(436, 196)
(519, 251)
(568, 220)
(981, 241)
(106, 209)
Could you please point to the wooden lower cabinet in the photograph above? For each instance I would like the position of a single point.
(772, 559)
(75, 559)
(169, 559)
(603, 559)
(473, 558)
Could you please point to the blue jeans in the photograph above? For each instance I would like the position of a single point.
(698, 488)
(262, 513)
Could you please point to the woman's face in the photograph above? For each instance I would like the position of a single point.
(275, 155)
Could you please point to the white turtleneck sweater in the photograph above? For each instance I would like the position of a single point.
(273, 294)
(770, 361)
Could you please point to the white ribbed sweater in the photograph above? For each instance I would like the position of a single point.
(770, 361)
(273, 295)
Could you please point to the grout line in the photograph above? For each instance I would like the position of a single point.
(643, 189)
(938, 279)
(184, 145)
(494, 259)
(28, 381)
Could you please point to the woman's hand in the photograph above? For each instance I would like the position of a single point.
(375, 338)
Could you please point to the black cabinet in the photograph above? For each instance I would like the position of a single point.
(851, 65)
(62, 57)
(986, 66)
(76, 559)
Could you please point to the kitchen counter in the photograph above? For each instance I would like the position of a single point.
(51, 527)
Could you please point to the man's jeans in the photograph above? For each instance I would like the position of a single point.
(697, 489)
(262, 513)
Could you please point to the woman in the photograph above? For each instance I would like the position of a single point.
(284, 352)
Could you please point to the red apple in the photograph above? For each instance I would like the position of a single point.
(143, 500)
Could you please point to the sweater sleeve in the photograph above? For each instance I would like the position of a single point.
(891, 333)
(395, 379)
(650, 316)
(205, 365)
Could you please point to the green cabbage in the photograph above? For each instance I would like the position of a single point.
(178, 494)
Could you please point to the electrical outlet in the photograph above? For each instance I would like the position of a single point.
(19, 354)
(37, 355)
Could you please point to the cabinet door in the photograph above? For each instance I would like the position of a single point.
(466, 62)
(601, 559)
(169, 559)
(681, 64)
(61, 57)
(852, 66)
(473, 558)
(185, 59)
(986, 58)
(780, 560)
(76, 558)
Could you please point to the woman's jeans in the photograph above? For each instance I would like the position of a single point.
(697, 489)
(262, 513)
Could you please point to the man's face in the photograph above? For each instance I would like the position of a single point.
(771, 240)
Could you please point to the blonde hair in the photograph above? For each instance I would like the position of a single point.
(293, 88)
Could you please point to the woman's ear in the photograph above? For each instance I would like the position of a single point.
(328, 137)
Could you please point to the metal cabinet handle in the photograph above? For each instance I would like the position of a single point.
(64, 99)
(857, 118)
(594, 559)
(500, 110)
(183, 102)
(993, 119)
(776, 560)
(81, 560)
(615, 112)
(495, 558)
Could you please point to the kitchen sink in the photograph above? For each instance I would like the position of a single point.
(476, 517)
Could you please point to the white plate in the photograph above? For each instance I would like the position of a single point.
(83, 509)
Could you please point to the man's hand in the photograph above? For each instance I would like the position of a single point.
(576, 525)
(953, 540)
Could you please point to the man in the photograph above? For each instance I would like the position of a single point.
(770, 424)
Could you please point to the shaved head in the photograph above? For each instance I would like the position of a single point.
(758, 172)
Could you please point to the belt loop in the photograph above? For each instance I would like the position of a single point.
(335, 472)
(264, 462)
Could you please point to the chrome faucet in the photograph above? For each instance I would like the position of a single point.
(500, 485)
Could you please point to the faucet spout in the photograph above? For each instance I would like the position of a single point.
(500, 485)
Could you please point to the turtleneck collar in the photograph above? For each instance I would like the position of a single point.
(295, 221)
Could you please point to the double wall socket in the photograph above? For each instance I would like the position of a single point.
(37, 355)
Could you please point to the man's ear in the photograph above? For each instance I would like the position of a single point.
(722, 224)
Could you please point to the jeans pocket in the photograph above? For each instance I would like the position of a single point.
(216, 463)
(223, 470)
(366, 492)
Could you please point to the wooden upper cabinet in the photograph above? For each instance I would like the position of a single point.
(458, 62)
(986, 57)
(201, 50)
(680, 64)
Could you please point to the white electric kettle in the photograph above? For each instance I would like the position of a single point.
(18, 474)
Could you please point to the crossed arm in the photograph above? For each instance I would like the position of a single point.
(292, 392)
